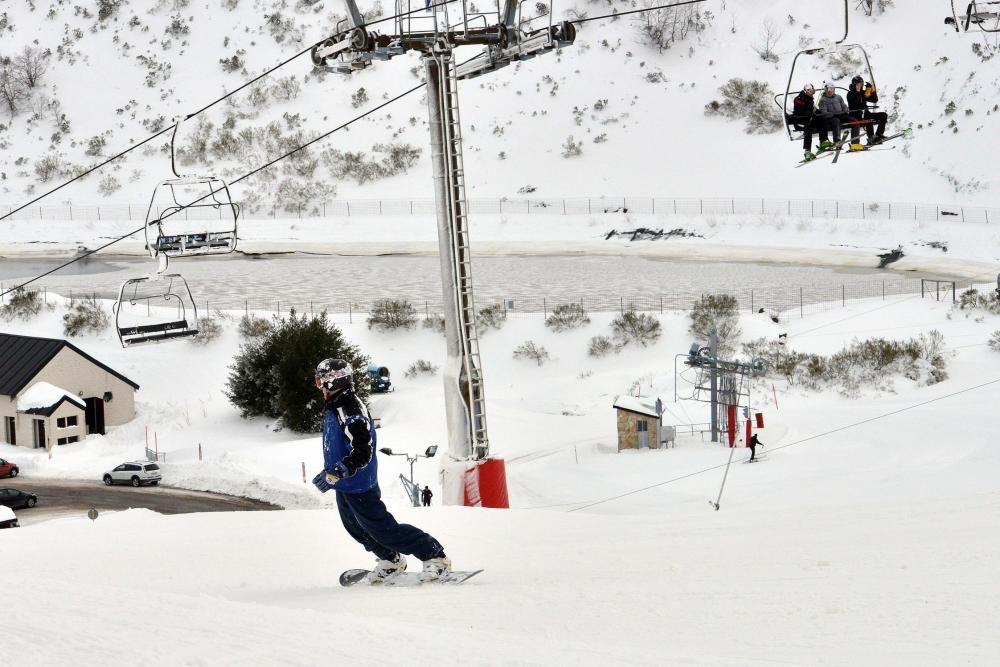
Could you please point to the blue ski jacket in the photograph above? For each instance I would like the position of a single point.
(349, 440)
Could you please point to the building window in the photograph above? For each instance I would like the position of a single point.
(61, 423)
(643, 426)
(66, 441)
(66, 422)
(71, 421)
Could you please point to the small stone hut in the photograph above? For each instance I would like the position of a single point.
(638, 422)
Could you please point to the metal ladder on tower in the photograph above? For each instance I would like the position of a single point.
(461, 248)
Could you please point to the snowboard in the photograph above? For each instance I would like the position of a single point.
(357, 576)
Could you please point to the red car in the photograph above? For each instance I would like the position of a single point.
(8, 469)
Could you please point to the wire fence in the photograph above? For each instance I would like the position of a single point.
(340, 208)
(788, 301)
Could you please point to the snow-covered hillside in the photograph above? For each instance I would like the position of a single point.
(120, 74)
(867, 535)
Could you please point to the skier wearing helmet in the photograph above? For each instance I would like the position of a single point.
(351, 470)
(834, 109)
(858, 99)
(804, 118)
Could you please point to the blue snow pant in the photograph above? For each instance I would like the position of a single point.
(368, 521)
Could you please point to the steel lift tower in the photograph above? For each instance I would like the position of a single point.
(506, 37)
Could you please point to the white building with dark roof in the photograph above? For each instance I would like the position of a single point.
(54, 393)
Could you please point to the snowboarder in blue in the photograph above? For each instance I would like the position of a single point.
(351, 469)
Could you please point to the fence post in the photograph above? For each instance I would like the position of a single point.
(883, 289)
(303, 472)
(843, 295)
(199, 451)
(545, 309)
(621, 305)
(751, 301)
(350, 319)
(801, 307)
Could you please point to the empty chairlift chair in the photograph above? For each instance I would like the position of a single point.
(155, 308)
(191, 216)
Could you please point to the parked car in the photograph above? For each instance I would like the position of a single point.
(14, 498)
(7, 517)
(8, 469)
(135, 473)
(379, 376)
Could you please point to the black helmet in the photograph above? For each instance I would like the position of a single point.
(334, 375)
(857, 79)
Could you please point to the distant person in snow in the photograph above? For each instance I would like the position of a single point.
(834, 110)
(753, 447)
(804, 118)
(427, 494)
(860, 96)
(351, 470)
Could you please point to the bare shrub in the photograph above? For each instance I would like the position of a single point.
(252, 326)
(420, 367)
(529, 350)
(208, 330)
(490, 317)
(435, 322)
(21, 304)
(994, 342)
(392, 314)
(660, 28)
(633, 327)
(567, 316)
(85, 316)
(600, 346)
(771, 35)
(748, 100)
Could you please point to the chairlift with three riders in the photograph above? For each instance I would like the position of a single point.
(794, 126)
(188, 216)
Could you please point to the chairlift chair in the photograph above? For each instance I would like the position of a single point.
(793, 125)
(983, 15)
(190, 215)
(139, 316)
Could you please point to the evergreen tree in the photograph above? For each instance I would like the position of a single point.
(272, 376)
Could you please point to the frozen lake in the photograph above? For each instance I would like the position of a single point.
(523, 283)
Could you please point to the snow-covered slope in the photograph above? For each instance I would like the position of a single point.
(865, 537)
(655, 137)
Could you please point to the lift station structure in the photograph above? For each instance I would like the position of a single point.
(505, 37)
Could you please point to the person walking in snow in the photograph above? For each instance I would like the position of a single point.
(753, 447)
(427, 494)
(834, 110)
(858, 99)
(351, 470)
(805, 119)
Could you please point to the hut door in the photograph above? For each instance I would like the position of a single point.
(643, 429)
(39, 429)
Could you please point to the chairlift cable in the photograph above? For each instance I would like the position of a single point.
(202, 110)
(791, 444)
(213, 192)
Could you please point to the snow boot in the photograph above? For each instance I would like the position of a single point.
(857, 146)
(435, 568)
(826, 145)
(809, 156)
(386, 569)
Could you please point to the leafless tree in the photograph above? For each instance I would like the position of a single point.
(30, 66)
(666, 25)
(11, 89)
(771, 35)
